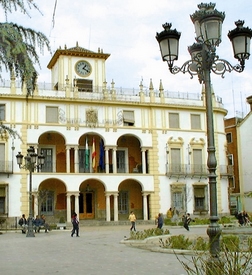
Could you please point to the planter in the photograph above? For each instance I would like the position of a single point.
(61, 226)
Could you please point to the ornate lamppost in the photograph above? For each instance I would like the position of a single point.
(32, 162)
(208, 24)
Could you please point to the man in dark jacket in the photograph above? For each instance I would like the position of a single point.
(23, 223)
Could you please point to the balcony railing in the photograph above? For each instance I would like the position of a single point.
(196, 170)
(226, 170)
(6, 167)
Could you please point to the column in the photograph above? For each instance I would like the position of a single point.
(68, 159)
(76, 204)
(143, 161)
(76, 159)
(115, 207)
(68, 207)
(107, 207)
(36, 206)
(107, 160)
(114, 161)
(145, 206)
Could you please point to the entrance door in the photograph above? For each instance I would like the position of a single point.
(86, 203)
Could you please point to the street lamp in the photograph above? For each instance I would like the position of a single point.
(208, 24)
(30, 165)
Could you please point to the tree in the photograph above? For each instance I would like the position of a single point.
(18, 45)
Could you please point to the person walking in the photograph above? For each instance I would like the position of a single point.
(160, 221)
(187, 220)
(75, 223)
(132, 219)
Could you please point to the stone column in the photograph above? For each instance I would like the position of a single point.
(107, 160)
(68, 207)
(76, 203)
(114, 161)
(68, 159)
(76, 159)
(145, 206)
(107, 207)
(115, 207)
(36, 206)
(143, 161)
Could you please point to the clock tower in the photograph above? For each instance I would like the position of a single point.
(83, 68)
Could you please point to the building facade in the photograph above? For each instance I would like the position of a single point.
(107, 151)
(244, 149)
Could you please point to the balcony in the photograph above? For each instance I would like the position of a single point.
(226, 171)
(187, 170)
(196, 170)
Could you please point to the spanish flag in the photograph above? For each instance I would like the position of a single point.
(93, 154)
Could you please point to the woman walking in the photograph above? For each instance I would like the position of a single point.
(75, 223)
(132, 219)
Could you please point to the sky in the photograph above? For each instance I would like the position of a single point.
(127, 29)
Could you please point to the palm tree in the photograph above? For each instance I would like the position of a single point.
(18, 45)
(18, 50)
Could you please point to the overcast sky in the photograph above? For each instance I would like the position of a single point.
(127, 29)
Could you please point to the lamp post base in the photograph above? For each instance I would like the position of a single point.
(30, 232)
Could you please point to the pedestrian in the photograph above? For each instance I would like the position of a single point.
(241, 219)
(132, 219)
(160, 221)
(169, 213)
(186, 220)
(44, 223)
(37, 224)
(75, 224)
(23, 223)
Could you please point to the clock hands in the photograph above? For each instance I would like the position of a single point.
(86, 69)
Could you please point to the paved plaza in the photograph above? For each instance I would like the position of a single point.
(97, 251)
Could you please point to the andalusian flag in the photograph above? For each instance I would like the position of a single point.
(86, 156)
(93, 154)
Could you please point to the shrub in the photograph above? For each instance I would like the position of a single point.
(200, 244)
(178, 242)
(231, 261)
(230, 243)
(141, 235)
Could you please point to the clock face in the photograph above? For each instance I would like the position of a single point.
(83, 68)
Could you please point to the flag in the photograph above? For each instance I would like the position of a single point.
(86, 157)
(93, 154)
(101, 157)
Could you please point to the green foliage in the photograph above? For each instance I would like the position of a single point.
(2, 221)
(228, 263)
(141, 235)
(18, 45)
(6, 132)
(178, 242)
(13, 5)
(62, 220)
(200, 244)
(250, 244)
(230, 243)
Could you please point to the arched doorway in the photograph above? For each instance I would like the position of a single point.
(92, 200)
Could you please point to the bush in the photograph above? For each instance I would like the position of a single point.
(231, 261)
(201, 244)
(178, 242)
(230, 243)
(141, 235)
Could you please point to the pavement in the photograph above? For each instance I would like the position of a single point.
(98, 251)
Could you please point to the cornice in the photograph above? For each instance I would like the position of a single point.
(76, 51)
